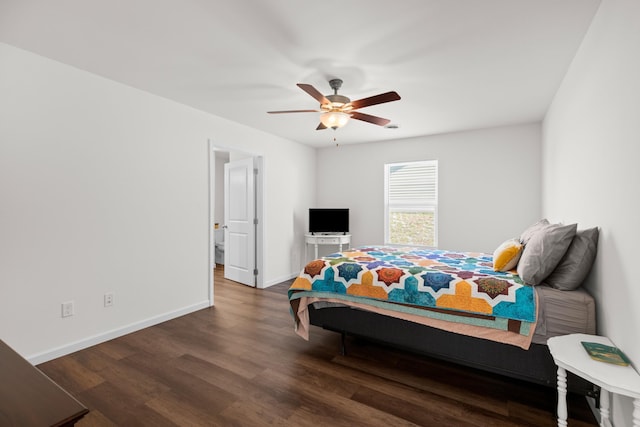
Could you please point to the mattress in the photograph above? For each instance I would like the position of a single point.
(559, 313)
(453, 291)
(563, 312)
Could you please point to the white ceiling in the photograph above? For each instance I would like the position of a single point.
(457, 64)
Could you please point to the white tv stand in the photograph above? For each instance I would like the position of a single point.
(325, 239)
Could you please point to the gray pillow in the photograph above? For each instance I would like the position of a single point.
(576, 263)
(533, 229)
(543, 252)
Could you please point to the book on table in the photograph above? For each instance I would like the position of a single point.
(605, 353)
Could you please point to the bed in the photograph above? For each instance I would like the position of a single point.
(455, 305)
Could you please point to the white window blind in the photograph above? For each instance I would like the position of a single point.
(413, 184)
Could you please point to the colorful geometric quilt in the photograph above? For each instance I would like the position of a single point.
(457, 286)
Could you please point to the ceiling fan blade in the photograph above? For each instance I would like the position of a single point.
(321, 126)
(293, 111)
(376, 99)
(314, 93)
(369, 118)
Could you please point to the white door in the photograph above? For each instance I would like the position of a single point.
(239, 215)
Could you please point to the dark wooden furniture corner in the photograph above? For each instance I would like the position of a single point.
(30, 398)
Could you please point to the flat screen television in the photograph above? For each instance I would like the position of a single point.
(333, 221)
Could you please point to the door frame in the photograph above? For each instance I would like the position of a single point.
(259, 207)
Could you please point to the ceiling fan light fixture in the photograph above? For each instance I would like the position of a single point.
(336, 110)
(334, 119)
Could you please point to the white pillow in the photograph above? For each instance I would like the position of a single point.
(507, 255)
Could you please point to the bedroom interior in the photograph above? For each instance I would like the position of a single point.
(529, 109)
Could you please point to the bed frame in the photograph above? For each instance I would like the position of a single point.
(533, 365)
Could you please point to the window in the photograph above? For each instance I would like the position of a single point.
(411, 203)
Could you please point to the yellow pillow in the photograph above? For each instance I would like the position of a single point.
(507, 255)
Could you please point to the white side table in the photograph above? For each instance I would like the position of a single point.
(326, 239)
(569, 354)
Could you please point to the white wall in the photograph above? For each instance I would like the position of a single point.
(590, 154)
(104, 188)
(489, 184)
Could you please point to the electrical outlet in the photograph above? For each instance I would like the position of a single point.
(108, 300)
(67, 309)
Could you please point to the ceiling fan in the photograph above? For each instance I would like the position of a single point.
(338, 109)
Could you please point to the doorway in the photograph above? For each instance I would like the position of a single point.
(244, 250)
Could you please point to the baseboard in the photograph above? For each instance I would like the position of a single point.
(54, 353)
(279, 280)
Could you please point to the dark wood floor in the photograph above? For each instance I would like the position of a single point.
(240, 363)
